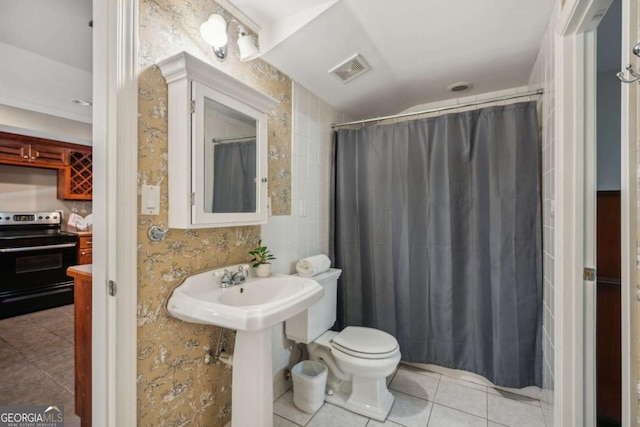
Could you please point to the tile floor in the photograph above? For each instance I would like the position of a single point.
(36, 367)
(36, 360)
(424, 399)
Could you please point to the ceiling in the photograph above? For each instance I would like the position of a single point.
(415, 48)
(57, 29)
(46, 50)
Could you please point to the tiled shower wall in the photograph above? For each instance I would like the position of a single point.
(306, 231)
(542, 76)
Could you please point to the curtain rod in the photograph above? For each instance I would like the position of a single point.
(450, 107)
(233, 139)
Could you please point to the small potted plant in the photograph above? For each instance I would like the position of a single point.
(261, 258)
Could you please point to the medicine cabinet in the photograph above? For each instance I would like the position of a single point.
(217, 146)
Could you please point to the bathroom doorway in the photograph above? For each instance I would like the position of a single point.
(608, 295)
(575, 395)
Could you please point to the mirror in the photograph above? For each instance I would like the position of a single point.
(229, 159)
(217, 146)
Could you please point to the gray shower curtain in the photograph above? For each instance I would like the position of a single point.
(436, 226)
(234, 183)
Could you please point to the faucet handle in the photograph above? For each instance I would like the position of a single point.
(226, 276)
(241, 273)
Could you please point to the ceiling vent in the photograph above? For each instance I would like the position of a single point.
(350, 69)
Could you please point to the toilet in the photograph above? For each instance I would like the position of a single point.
(359, 359)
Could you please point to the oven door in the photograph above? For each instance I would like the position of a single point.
(35, 277)
(35, 266)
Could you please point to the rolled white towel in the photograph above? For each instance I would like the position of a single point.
(313, 265)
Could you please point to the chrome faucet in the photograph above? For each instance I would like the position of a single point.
(229, 279)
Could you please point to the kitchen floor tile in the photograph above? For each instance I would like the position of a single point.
(9, 356)
(58, 366)
(36, 361)
(33, 341)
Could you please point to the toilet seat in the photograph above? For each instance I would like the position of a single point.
(365, 343)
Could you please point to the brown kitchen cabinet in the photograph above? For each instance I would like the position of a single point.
(25, 150)
(82, 293)
(75, 182)
(85, 248)
(73, 162)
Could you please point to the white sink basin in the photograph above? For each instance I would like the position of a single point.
(256, 304)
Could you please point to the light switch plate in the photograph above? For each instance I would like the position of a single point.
(150, 200)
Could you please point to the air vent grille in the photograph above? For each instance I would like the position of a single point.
(350, 69)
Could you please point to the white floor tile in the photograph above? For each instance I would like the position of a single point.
(442, 416)
(410, 411)
(513, 396)
(387, 423)
(278, 421)
(424, 397)
(462, 398)
(514, 414)
(334, 416)
(416, 384)
(465, 383)
(285, 408)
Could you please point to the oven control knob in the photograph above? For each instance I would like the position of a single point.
(39, 217)
(46, 217)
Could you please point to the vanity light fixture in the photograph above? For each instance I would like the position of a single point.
(214, 32)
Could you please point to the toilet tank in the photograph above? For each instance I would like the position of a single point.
(320, 317)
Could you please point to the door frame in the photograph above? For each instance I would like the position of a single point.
(115, 147)
(574, 49)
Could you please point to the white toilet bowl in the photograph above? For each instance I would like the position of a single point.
(359, 361)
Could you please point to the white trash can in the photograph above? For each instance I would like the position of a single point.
(309, 381)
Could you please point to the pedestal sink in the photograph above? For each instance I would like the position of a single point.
(250, 308)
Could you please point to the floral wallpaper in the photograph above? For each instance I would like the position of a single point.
(175, 386)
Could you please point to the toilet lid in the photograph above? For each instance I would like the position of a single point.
(359, 341)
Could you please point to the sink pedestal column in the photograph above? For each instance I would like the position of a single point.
(252, 384)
